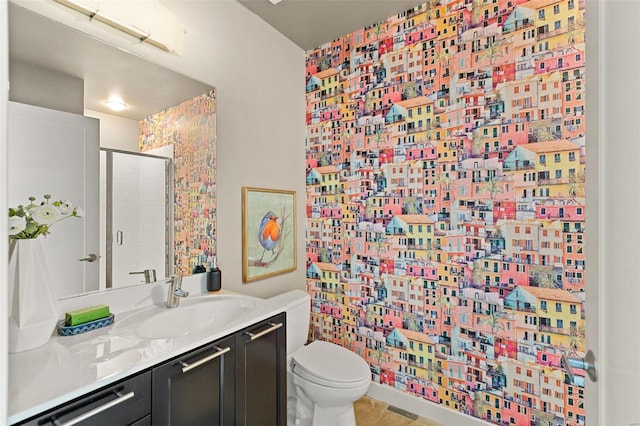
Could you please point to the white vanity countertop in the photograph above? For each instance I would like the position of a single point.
(69, 367)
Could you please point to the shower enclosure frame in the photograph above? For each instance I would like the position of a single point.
(169, 214)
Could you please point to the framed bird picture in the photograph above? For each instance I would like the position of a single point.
(268, 233)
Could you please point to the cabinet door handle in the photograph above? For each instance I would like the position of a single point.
(263, 332)
(186, 367)
(82, 417)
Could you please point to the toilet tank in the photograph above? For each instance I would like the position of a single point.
(297, 304)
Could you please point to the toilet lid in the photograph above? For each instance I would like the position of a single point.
(330, 365)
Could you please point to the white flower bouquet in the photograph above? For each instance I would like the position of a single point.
(33, 220)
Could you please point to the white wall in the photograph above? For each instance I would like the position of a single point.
(116, 132)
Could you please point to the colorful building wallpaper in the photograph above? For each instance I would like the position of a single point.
(445, 204)
(191, 128)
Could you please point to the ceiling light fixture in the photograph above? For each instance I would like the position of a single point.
(275, 1)
(116, 104)
(108, 12)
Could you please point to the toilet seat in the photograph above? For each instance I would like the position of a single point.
(330, 365)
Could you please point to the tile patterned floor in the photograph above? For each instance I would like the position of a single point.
(370, 412)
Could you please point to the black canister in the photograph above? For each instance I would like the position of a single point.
(214, 276)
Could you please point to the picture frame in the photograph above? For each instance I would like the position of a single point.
(268, 233)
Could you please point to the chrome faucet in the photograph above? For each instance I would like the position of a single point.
(149, 275)
(175, 291)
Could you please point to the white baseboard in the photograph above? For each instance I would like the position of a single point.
(421, 407)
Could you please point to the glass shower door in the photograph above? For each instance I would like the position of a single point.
(137, 237)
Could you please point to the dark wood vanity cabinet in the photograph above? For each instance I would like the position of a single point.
(125, 403)
(261, 374)
(236, 380)
(197, 388)
(239, 380)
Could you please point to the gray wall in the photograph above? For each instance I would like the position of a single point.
(36, 86)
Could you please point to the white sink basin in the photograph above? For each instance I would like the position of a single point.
(191, 316)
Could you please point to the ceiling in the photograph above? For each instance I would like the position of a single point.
(145, 87)
(311, 23)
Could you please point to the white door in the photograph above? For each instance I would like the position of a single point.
(56, 153)
(613, 194)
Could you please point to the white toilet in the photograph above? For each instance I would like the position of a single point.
(323, 379)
